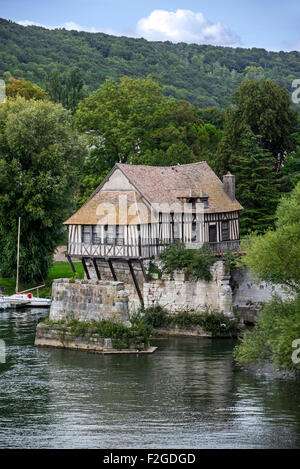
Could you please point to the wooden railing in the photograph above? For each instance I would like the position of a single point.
(223, 246)
(144, 251)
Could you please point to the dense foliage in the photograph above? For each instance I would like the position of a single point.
(195, 263)
(275, 257)
(272, 340)
(123, 336)
(202, 74)
(40, 159)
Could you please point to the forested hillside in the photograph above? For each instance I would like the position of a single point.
(205, 75)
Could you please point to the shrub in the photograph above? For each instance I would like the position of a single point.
(271, 339)
(195, 263)
(210, 321)
(156, 316)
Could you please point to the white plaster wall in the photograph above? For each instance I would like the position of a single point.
(117, 182)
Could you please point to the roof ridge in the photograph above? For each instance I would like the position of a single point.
(161, 167)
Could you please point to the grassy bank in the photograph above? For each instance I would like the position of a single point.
(58, 270)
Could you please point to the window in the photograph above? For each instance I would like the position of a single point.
(96, 234)
(225, 231)
(114, 234)
(86, 233)
(194, 229)
(204, 201)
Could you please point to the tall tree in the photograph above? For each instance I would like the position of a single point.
(275, 258)
(40, 161)
(266, 108)
(256, 186)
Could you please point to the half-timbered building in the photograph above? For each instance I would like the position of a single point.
(138, 210)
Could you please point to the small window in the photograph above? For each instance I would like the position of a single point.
(86, 233)
(204, 201)
(225, 231)
(96, 234)
(194, 229)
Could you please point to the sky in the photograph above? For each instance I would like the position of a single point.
(269, 24)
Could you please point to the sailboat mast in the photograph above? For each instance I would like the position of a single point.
(18, 255)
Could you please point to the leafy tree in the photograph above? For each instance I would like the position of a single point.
(25, 88)
(73, 90)
(275, 256)
(131, 121)
(265, 107)
(40, 160)
(272, 339)
(66, 90)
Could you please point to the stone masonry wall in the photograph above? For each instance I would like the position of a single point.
(123, 275)
(88, 300)
(178, 293)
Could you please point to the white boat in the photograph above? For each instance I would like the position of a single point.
(19, 300)
(22, 299)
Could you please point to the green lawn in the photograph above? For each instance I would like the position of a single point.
(58, 270)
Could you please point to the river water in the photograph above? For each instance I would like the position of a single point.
(188, 394)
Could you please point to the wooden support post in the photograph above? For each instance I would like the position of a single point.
(112, 269)
(136, 282)
(143, 269)
(85, 268)
(71, 264)
(96, 269)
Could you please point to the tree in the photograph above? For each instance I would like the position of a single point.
(122, 114)
(131, 121)
(40, 160)
(266, 108)
(256, 186)
(66, 90)
(25, 88)
(275, 257)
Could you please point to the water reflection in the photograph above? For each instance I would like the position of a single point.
(188, 394)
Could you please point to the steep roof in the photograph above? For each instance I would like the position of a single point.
(166, 184)
(112, 208)
(156, 185)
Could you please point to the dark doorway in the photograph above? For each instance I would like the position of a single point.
(212, 233)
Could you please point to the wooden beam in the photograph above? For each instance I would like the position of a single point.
(112, 269)
(85, 268)
(143, 269)
(137, 287)
(71, 264)
(96, 268)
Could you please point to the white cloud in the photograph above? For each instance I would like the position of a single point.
(162, 25)
(70, 26)
(184, 26)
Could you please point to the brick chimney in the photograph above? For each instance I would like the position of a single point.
(229, 185)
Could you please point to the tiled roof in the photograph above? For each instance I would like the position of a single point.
(165, 184)
(156, 185)
(128, 206)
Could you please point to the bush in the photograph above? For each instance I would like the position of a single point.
(271, 340)
(122, 336)
(210, 321)
(195, 263)
(156, 316)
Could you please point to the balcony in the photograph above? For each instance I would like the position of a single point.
(139, 251)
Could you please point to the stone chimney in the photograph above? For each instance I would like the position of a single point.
(229, 185)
